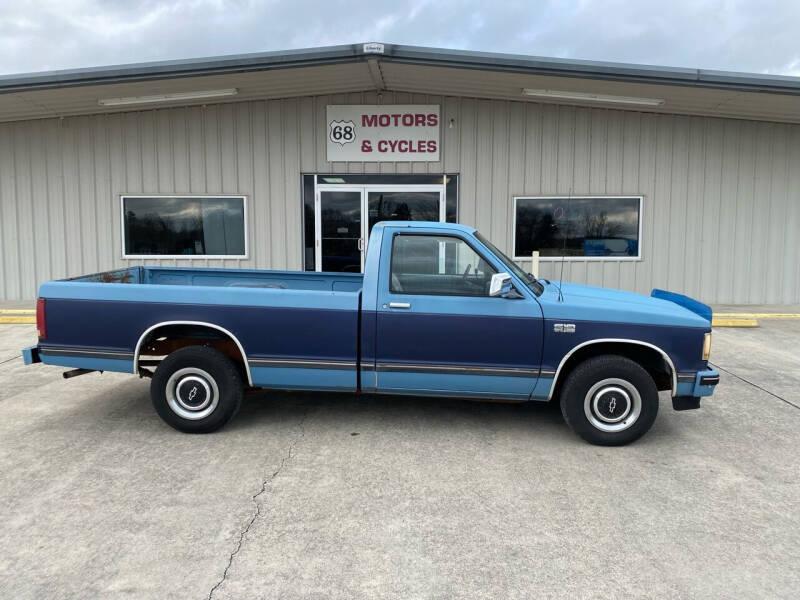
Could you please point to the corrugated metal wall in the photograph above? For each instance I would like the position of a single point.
(721, 209)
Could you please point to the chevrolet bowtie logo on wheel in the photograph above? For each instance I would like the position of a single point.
(192, 393)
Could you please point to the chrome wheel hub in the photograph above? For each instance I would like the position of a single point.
(192, 393)
(612, 405)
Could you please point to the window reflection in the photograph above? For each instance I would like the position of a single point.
(184, 226)
(403, 206)
(341, 230)
(581, 227)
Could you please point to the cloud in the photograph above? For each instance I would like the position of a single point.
(714, 34)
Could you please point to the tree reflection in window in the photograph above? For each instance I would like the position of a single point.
(184, 226)
(578, 226)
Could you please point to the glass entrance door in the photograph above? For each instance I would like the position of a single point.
(345, 215)
(340, 231)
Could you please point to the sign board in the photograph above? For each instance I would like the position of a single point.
(373, 48)
(388, 133)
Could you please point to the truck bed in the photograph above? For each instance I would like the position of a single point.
(237, 278)
(282, 320)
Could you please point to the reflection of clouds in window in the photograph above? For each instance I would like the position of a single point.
(184, 226)
(577, 226)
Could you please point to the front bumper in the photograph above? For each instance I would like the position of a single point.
(705, 382)
(690, 392)
(31, 355)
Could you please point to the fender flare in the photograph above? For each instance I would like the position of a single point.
(201, 324)
(665, 356)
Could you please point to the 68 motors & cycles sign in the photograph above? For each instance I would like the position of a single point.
(399, 132)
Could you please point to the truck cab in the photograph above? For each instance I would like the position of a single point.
(432, 325)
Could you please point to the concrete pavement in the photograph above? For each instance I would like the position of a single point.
(333, 496)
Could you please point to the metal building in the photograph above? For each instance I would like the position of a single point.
(640, 176)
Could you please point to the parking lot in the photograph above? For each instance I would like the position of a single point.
(335, 496)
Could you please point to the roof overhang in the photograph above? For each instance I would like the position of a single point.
(387, 67)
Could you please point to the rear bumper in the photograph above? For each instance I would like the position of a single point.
(31, 355)
(690, 392)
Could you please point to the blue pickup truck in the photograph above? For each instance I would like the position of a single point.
(438, 311)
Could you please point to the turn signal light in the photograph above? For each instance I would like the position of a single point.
(706, 346)
(41, 322)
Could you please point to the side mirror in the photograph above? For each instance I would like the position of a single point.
(500, 284)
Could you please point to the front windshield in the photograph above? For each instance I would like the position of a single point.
(529, 280)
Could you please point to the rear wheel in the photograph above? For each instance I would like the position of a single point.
(196, 389)
(609, 400)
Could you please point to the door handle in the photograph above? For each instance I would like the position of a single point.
(360, 244)
(399, 305)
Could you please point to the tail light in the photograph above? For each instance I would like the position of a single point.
(41, 321)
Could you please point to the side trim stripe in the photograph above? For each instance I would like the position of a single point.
(302, 364)
(457, 370)
(84, 353)
(682, 377)
(393, 367)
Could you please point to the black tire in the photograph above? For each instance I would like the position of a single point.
(196, 389)
(597, 393)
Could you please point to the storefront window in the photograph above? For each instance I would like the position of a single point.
(578, 227)
(184, 226)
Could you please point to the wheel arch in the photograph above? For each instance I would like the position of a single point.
(596, 347)
(199, 324)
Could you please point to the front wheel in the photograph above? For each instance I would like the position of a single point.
(609, 400)
(196, 389)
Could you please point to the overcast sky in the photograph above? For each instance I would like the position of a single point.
(756, 36)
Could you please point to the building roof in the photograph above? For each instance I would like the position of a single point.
(401, 68)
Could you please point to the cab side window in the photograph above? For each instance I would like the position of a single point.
(438, 265)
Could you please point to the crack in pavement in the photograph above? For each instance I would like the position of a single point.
(266, 481)
(7, 360)
(755, 385)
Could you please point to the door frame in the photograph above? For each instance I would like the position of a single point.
(364, 190)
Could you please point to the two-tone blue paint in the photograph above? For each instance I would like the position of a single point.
(315, 334)
(340, 331)
(674, 342)
(438, 344)
(696, 387)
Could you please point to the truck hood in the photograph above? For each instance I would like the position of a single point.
(593, 303)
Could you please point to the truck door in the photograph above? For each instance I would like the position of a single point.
(437, 329)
